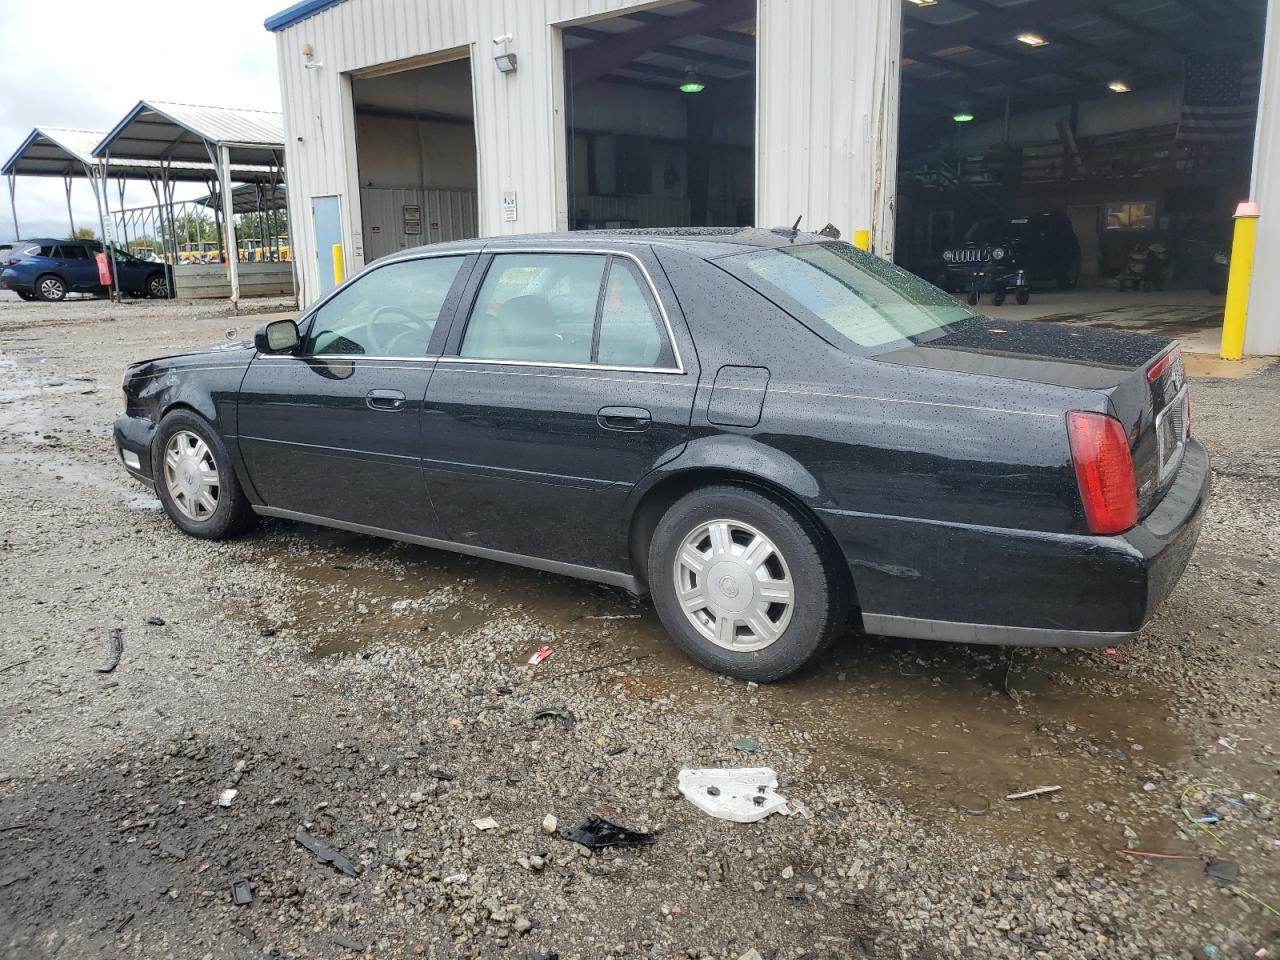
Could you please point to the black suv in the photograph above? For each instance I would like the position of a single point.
(1003, 255)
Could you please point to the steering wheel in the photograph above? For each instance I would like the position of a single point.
(412, 323)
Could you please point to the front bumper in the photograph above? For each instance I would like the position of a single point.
(948, 581)
(133, 437)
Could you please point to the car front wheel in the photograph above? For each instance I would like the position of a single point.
(51, 288)
(741, 584)
(157, 287)
(195, 480)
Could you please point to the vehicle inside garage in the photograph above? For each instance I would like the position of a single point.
(416, 154)
(660, 110)
(1107, 142)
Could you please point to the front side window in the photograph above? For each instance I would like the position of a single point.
(861, 297)
(565, 308)
(388, 312)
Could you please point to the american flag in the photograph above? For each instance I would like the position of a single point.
(1219, 99)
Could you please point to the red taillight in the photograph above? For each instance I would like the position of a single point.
(1164, 363)
(1104, 470)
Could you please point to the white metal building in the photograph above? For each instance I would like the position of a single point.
(414, 121)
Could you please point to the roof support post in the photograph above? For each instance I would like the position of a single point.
(13, 206)
(66, 183)
(229, 220)
(91, 174)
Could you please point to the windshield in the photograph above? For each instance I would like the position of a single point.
(861, 297)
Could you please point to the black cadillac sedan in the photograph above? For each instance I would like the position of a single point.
(767, 431)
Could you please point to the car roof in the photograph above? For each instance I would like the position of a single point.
(708, 243)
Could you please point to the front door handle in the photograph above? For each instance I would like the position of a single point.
(385, 400)
(626, 419)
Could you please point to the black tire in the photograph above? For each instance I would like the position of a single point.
(1071, 279)
(1023, 297)
(157, 287)
(973, 299)
(819, 602)
(233, 516)
(997, 298)
(50, 288)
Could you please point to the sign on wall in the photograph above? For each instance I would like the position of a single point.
(509, 212)
(412, 219)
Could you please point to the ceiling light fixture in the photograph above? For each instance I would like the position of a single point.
(963, 116)
(1032, 39)
(1118, 86)
(692, 81)
(924, 3)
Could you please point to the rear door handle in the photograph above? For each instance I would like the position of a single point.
(385, 400)
(626, 419)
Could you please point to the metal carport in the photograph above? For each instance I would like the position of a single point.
(171, 134)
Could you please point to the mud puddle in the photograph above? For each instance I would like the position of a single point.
(132, 494)
(950, 730)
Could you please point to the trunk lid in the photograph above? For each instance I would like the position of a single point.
(1141, 376)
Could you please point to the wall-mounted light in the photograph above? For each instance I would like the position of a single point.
(1032, 39)
(309, 61)
(506, 61)
(1119, 86)
(692, 81)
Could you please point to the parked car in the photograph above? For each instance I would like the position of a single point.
(1002, 255)
(764, 430)
(50, 269)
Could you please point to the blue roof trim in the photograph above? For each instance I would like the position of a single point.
(9, 164)
(299, 11)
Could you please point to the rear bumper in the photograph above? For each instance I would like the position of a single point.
(133, 437)
(949, 581)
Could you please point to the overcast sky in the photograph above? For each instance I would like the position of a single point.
(94, 61)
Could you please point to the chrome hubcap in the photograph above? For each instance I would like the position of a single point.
(191, 475)
(51, 288)
(733, 585)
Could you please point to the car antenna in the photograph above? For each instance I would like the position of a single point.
(795, 227)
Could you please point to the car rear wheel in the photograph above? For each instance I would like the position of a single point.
(742, 585)
(51, 288)
(195, 480)
(157, 287)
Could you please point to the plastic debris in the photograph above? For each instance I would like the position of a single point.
(323, 852)
(350, 943)
(742, 795)
(540, 654)
(594, 832)
(745, 744)
(1223, 870)
(485, 823)
(1033, 792)
(563, 716)
(115, 650)
(155, 621)
(226, 796)
(241, 893)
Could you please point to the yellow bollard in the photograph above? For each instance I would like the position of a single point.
(339, 267)
(1239, 280)
(862, 239)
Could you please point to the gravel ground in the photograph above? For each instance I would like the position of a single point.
(381, 693)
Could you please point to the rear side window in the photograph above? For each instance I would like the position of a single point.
(44, 250)
(71, 251)
(565, 308)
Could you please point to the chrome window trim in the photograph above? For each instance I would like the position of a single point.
(597, 251)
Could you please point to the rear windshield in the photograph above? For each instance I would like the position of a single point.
(862, 298)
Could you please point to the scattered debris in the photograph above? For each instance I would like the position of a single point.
(1226, 744)
(550, 823)
(565, 717)
(444, 775)
(241, 893)
(540, 654)
(227, 796)
(267, 632)
(743, 795)
(323, 852)
(1034, 792)
(155, 621)
(115, 650)
(16, 663)
(745, 744)
(594, 832)
(350, 943)
(1152, 854)
(615, 751)
(615, 616)
(1223, 870)
(124, 923)
(485, 823)
(752, 954)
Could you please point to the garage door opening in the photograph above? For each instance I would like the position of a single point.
(660, 111)
(416, 155)
(1108, 142)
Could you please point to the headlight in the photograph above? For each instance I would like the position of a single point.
(997, 253)
(1221, 259)
(948, 255)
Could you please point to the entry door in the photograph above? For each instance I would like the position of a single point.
(561, 391)
(326, 217)
(1086, 222)
(333, 431)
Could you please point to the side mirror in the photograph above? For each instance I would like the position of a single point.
(278, 336)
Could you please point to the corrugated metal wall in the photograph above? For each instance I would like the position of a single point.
(827, 108)
(446, 215)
